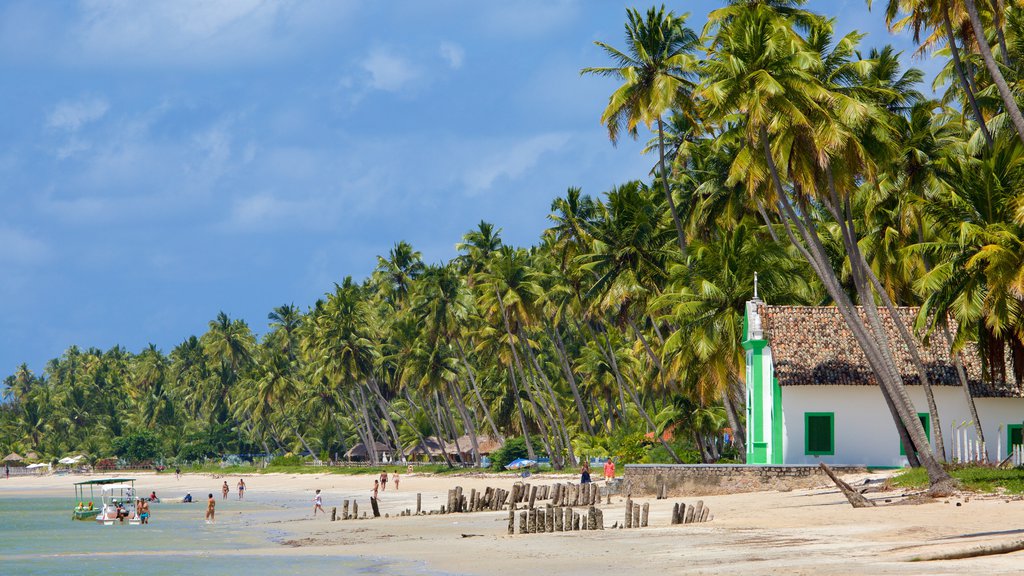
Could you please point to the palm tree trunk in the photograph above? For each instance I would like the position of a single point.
(636, 400)
(842, 214)
(739, 437)
(965, 384)
(382, 403)
(364, 410)
(467, 423)
(668, 191)
(571, 378)
(999, 10)
(560, 422)
(476, 391)
(1012, 110)
(962, 77)
(522, 415)
(881, 366)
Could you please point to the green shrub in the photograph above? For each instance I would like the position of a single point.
(292, 460)
(137, 447)
(514, 448)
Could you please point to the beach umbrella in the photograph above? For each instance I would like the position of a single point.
(13, 457)
(520, 463)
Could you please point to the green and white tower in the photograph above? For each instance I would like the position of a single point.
(764, 397)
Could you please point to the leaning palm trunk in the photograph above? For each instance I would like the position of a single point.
(518, 366)
(668, 191)
(738, 434)
(364, 410)
(915, 354)
(384, 406)
(1012, 110)
(875, 347)
(522, 415)
(964, 383)
(571, 378)
(559, 423)
(476, 391)
(636, 399)
(961, 75)
(467, 423)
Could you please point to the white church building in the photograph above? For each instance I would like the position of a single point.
(812, 397)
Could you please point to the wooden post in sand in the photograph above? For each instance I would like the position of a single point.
(698, 509)
(549, 518)
(460, 502)
(675, 514)
(373, 504)
(419, 503)
(559, 513)
(575, 521)
(344, 510)
(629, 513)
(688, 517)
(533, 496)
(643, 514)
(522, 521)
(591, 518)
(511, 521)
(636, 515)
(334, 513)
(600, 518)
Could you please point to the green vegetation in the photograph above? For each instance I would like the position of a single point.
(782, 150)
(976, 478)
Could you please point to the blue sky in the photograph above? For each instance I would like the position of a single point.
(163, 161)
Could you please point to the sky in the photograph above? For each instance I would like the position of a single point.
(163, 161)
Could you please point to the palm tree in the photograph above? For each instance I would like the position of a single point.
(658, 71)
(761, 68)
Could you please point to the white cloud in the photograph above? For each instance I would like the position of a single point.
(17, 247)
(389, 72)
(512, 161)
(72, 115)
(266, 212)
(453, 54)
(200, 32)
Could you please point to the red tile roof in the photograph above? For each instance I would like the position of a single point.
(811, 345)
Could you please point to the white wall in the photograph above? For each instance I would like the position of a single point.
(864, 429)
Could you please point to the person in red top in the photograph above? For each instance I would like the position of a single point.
(609, 469)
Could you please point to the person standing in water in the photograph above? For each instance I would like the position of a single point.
(318, 504)
(211, 506)
(241, 488)
(224, 491)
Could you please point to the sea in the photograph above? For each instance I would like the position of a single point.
(38, 537)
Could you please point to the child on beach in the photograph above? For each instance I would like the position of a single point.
(394, 478)
(224, 491)
(318, 504)
(376, 486)
(241, 488)
(211, 505)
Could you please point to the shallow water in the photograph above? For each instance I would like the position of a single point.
(37, 536)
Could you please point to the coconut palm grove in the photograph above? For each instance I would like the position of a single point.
(778, 150)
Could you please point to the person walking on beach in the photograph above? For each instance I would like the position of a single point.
(211, 506)
(224, 491)
(384, 480)
(177, 473)
(394, 478)
(318, 504)
(609, 470)
(376, 486)
(241, 488)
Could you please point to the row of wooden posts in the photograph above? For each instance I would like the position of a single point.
(683, 514)
(553, 518)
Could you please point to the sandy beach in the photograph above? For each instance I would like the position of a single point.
(800, 532)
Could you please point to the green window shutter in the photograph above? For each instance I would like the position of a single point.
(926, 423)
(819, 429)
(1014, 435)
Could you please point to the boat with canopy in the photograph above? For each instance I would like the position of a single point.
(116, 497)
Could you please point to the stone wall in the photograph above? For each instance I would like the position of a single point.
(712, 479)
